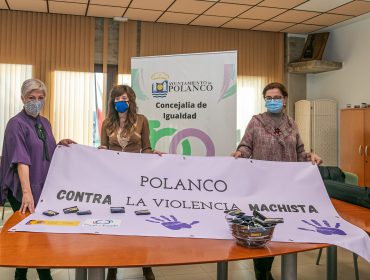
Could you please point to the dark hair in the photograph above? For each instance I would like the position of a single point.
(279, 86)
(113, 117)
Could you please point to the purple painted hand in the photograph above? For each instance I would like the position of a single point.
(172, 223)
(327, 229)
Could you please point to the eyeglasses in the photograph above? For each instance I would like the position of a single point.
(269, 98)
(40, 131)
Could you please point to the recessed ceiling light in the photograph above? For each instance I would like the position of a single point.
(321, 6)
(121, 19)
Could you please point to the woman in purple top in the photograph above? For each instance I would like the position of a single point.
(273, 136)
(28, 147)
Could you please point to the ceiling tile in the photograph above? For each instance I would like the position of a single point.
(320, 5)
(272, 26)
(72, 1)
(295, 16)
(67, 8)
(28, 5)
(242, 23)
(302, 28)
(226, 10)
(244, 2)
(145, 15)
(262, 13)
(179, 18)
(105, 11)
(327, 19)
(190, 6)
(160, 5)
(3, 4)
(117, 3)
(355, 8)
(210, 21)
(288, 4)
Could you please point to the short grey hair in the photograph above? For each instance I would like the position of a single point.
(32, 84)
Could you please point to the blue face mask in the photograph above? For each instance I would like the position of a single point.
(274, 106)
(121, 106)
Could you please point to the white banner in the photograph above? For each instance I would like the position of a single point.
(190, 108)
(186, 197)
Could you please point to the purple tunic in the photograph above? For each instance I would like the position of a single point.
(22, 145)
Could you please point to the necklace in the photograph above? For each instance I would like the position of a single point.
(277, 131)
(122, 141)
(276, 121)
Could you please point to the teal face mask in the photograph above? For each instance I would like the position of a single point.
(274, 106)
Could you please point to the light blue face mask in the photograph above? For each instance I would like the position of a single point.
(274, 106)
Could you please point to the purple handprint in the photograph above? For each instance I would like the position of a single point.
(172, 223)
(327, 229)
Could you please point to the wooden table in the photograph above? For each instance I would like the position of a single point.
(359, 216)
(23, 249)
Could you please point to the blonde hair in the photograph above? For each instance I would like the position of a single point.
(32, 84)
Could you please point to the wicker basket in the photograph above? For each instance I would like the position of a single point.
(250, 236)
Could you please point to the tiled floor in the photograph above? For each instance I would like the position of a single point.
(240, 270)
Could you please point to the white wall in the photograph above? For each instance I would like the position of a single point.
(349, 44)
(351, 85)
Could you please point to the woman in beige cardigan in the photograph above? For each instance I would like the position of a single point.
(127, 131)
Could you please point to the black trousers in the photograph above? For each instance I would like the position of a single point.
(262, 268)
(21, 273)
